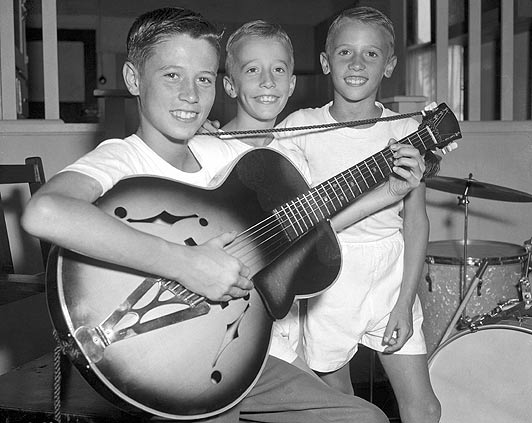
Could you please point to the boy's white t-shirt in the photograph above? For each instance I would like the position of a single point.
(115, 158)
(217, 153)
(331, 151)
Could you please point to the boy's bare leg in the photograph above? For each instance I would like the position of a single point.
(409, 376)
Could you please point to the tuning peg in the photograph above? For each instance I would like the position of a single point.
(449, 147)
(431, 106)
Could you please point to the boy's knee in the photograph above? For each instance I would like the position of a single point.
(374, 415)
(434, 411)
(426, 412)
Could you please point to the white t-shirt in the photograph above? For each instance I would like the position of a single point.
(216, 154)
(213, 153)
(116, 158)
(331, 151)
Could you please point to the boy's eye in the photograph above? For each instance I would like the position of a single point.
(252, 70)
(280, 69)
(343, 52)
(373, 54)
(205, 80)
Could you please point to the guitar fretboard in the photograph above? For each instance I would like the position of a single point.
(333, 195)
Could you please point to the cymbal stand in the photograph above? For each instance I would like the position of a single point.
(464, 200)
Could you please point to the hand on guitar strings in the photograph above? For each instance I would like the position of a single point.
(408, 168)
(215, 274)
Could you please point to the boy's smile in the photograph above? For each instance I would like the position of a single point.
(359, 56)
(176, 88)
(261, 78)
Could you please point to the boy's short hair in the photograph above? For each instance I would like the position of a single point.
(365, 14)
(258, 28)
(155, 26)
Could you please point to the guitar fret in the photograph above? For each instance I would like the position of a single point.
(370, 171)
(378, 167)
(300, 209)
(421, 139)
(312, 209)
(388, 161)
(294, 220)
(362, 178)
(309, 213)
(334, 192)
(325, 199)
(348, 185)
(343, 198)
(355, 181)
(315, 193)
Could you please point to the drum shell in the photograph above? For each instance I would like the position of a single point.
(439, 289)
(485, 376)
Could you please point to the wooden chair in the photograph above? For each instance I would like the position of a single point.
(31, 173)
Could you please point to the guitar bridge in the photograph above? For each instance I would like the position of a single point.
(131, 318)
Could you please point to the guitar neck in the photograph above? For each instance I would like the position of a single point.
(328, 198)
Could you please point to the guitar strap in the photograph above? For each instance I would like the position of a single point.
(351, 123)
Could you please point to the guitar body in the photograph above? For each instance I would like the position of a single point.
(162, 358)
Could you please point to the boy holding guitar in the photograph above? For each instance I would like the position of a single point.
(374, 300)
(172, 65)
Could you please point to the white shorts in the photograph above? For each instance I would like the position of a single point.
(356, 308)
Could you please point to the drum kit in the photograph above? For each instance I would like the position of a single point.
(477, 306)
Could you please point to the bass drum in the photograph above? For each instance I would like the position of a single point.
(485, 376)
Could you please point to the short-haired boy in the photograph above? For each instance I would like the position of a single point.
(373, 301)
(172, 65)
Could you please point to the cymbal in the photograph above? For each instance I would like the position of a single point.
(477, 189)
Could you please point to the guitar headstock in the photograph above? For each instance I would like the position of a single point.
(444, 126)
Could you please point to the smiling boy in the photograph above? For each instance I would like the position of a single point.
(373, 302)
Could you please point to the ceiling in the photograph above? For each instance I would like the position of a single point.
(284, 12)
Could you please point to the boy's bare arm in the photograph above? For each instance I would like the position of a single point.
(62, 212)
(409, 165)
(415, 234)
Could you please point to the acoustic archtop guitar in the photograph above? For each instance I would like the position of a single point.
(151, 346)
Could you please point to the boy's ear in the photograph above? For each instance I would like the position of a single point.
(292, 85)
(131, 77)
(390, 66)
(229, 87)
(324, 63)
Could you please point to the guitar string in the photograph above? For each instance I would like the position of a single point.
(305, 215)
(342, 186)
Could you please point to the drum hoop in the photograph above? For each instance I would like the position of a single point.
(516, 327)
(472, 261)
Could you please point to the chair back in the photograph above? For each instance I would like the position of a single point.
(31, 173)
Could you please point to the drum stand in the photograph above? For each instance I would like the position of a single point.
(474, 284)
(524, 282)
